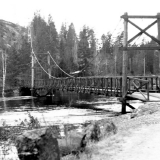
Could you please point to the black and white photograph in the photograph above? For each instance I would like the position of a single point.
(79, 80)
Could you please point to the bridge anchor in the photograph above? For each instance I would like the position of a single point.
(125, 104)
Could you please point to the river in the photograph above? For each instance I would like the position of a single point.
(63, 108)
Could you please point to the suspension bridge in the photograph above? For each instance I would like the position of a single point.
(144, 88)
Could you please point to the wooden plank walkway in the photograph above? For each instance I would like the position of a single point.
(153, 97)
(109, 86)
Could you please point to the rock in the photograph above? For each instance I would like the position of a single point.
(75, 142)
(42, 143)
(93, 132)
(108, 129)
(38, 144)
(71, 143)
(145, 110)
(97, 131)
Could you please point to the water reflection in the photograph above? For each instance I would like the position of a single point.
(63, 108)
(59, 99)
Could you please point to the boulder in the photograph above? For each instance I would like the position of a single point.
(108, 128)
(96, 131)
(71, 143)
(45, 143)
(144, 110)
(93, 132)
(38, 144)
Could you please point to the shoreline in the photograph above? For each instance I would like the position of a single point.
(126, 124)
(110, 147)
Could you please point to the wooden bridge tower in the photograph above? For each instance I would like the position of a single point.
(37, 69)
(125, 47)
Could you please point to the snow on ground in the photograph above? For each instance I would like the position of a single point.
(8, 152)
(62, 116)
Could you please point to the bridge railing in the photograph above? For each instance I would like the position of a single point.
(102, 85)
(152, 86)
(136, 85)
(110, 86)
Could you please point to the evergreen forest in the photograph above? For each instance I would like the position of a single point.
(76, 55)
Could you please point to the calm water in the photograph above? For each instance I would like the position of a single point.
(67, 111)
(63, 108)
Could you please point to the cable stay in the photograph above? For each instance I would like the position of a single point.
(76, 72)
(42, 66)
(32, 52)
(116, 26)
(59, 66)
(98, 52)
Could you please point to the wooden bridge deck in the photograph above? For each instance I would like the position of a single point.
(153, 97)
(109, 86)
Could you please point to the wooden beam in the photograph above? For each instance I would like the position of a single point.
(45, 53)
(141, 16)
(158, 27)
(130, 106)
(49, 65)
(142, 32)
(141, 80)
(153, 38)
(32, 61)
(124, 71)
(138, 48)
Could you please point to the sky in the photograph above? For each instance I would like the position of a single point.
(101, 15)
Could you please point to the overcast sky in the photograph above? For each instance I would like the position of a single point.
(101, 15)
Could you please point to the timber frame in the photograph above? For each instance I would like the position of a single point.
(127, 18)
(125, 48)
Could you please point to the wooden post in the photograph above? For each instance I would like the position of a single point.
(158, 25)
(144, 63)
(115, 54)
(125, 59)
(4, 71)
(49, 65)
(32, 61)
(32, 73)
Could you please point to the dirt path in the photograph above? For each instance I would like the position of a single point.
(142, 144)
(138, 137)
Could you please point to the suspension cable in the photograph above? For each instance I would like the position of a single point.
(59, 66)
(43, 67)
(99, 51)
(38, 60)
(116, 26)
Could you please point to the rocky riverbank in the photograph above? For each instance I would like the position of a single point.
(110, 147)
(96, 142)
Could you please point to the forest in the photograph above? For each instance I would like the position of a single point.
(71, 53)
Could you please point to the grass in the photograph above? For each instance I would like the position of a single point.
(8, 135)
(109, 146)
(100, 150)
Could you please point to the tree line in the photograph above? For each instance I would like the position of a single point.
(73, 53)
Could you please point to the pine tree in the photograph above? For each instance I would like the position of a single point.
(107, 58)
(45, 38)
(119, 56)
(13, 66)
(71, 48)
(40, 34)
(53, 39)
(25, 57)
(85, 53)
(53, 44)
(63, 36)
(93, 50)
